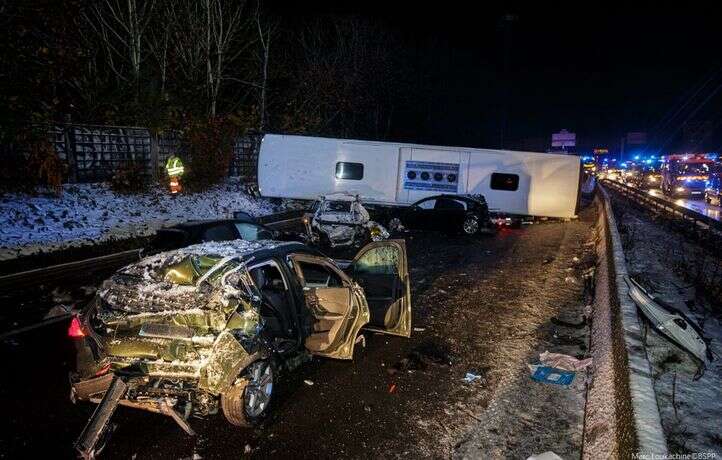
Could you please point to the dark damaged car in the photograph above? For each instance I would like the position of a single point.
(211, 326)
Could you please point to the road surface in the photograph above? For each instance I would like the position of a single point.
(487, 306)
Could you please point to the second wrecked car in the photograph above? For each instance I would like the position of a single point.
(341, 220)
(210, 326)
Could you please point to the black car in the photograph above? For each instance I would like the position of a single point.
(243, 227)
(449, 213)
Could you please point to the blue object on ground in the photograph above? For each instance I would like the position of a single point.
(546, 374)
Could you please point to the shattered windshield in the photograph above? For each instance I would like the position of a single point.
(193, 268)
(336, 206)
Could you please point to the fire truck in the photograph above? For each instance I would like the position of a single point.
(685, 175)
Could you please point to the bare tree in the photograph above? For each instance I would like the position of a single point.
(265, 29)
(206, 40)
(121, 26)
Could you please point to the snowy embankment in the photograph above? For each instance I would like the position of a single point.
(88, 214)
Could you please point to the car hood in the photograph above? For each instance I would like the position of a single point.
(177, 280)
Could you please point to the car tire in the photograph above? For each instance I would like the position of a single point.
(240, 403)
(470, 225)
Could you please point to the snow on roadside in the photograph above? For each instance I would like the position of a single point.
(86, 214)
(691, 409)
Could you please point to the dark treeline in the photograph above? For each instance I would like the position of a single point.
(161, 63)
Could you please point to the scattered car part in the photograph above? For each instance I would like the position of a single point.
(99, 422)
(674, 325)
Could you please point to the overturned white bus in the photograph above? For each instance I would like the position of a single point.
(390, 173)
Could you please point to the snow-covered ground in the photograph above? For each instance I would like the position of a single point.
(691, 409)
(86, 214)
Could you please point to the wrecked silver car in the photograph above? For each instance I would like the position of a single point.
(210, 326)
(341, 220)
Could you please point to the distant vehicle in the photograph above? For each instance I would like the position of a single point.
(341, 220)
(685, 175)
(396, 174)
(244, 227)
(611, 174)
(449, 213)
(713, 192)
(648, 178)
(212, 326)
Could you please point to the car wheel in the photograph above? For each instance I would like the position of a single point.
(246, 402)
(471, 225)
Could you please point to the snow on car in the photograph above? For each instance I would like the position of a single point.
(210, 326)
(341, 220)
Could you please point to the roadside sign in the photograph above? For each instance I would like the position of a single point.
(564, 139)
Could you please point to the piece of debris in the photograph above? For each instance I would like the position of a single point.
(472, 377)
(392, 388)
(546, 374)
(672, 324)
(565, 362)
(308, 382)
(548, 455)
(419, 329)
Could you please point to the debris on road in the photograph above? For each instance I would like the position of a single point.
(564, 362)
(392, 388)
(546, 374)
(670, 322)
(548, 455)
(472, 377)
(308, 382)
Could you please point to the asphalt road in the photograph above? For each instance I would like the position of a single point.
(483, 305)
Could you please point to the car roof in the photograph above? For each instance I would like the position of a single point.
(205, 223)
(339, 196)
(448, 195)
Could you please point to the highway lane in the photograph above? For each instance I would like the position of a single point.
(698, 205)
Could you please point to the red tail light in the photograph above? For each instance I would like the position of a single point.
(75, 330)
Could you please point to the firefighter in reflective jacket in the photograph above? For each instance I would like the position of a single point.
(174, 168)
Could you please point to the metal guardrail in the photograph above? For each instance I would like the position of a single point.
(27, 279)
(705, 227)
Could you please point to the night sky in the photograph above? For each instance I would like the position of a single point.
(597, 70)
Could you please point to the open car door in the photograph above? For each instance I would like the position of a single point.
(337, 305)
(381, 269)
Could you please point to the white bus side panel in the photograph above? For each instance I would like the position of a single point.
(305, 167)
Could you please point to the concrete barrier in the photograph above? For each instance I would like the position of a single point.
(621, 415)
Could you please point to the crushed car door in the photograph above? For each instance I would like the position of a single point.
(381, 269)
(338, 307)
